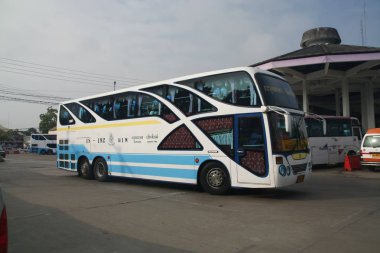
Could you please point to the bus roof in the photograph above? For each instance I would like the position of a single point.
(332, 117)
(174, 80)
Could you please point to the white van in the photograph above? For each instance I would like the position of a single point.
(370, 148)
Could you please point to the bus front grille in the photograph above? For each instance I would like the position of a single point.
(299, 168)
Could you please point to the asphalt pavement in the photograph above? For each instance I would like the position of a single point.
(50, 210)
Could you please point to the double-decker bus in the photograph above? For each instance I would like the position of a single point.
(331, 138)
(239, 127)
(43, 144)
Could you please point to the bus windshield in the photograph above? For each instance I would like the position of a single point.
(276, 91)
(283, 141)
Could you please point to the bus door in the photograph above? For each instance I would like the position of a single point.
(250, 149)
(333, 150)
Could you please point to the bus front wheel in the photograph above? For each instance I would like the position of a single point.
(85, 169)
(101, 170)
(215, 179)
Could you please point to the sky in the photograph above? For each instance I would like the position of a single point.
(55, 50)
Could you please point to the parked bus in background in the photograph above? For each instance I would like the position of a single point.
(239, 127)
(331, 138)
(43, 144)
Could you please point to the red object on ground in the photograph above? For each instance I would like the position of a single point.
(352, 162)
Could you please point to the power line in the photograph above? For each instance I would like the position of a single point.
(54, 75)
(66, 74)
(119, 78)
(33, 101)
(9, 87)
(33, 95)
(49, 77)
(73, 73)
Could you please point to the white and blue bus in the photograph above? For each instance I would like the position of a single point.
(239, 127)
(43, 144)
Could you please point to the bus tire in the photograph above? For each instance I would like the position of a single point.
(84, 169)
(101, 170)
(214, 179)
(42, 152)
(49, 152)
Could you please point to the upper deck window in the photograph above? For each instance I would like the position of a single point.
(276, 91)
(186, 101)
(129, 105)
(235, 88)
(51, 137)
(38, 137)
(64, 117)
(80, 112)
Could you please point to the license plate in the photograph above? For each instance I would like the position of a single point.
(300, 179)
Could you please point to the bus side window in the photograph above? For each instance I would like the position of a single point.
(357, 133)
(65, 118)
(80, 112)
(132, 106)
(186, 101)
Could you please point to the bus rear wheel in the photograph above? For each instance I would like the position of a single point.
(215, 179)
(84, 169)
(101, 170)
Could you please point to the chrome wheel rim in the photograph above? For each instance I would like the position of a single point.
(215, 177)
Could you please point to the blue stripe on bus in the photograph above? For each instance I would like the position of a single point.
(159, 159)
(137, 158)
(151, 171)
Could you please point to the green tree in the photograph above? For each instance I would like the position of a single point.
(30, 131)
(48, 120)
(4, 135)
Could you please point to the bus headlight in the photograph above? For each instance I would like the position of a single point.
(288, 170)
(282, 170)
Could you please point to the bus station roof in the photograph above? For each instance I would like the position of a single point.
(342, 57)
(329, 76)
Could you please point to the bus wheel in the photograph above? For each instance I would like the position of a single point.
(214, 179)
(84, 169)
(101, 170)
(43, 152)
(49, 152)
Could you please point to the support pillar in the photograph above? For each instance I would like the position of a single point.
(370, 105)
(345, 97)
(305, 98)
(338, 107)
(364, 109)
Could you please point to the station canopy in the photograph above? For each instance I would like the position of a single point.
(332, 78)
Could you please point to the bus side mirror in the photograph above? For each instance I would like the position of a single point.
(324, 125)
(288, 123)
